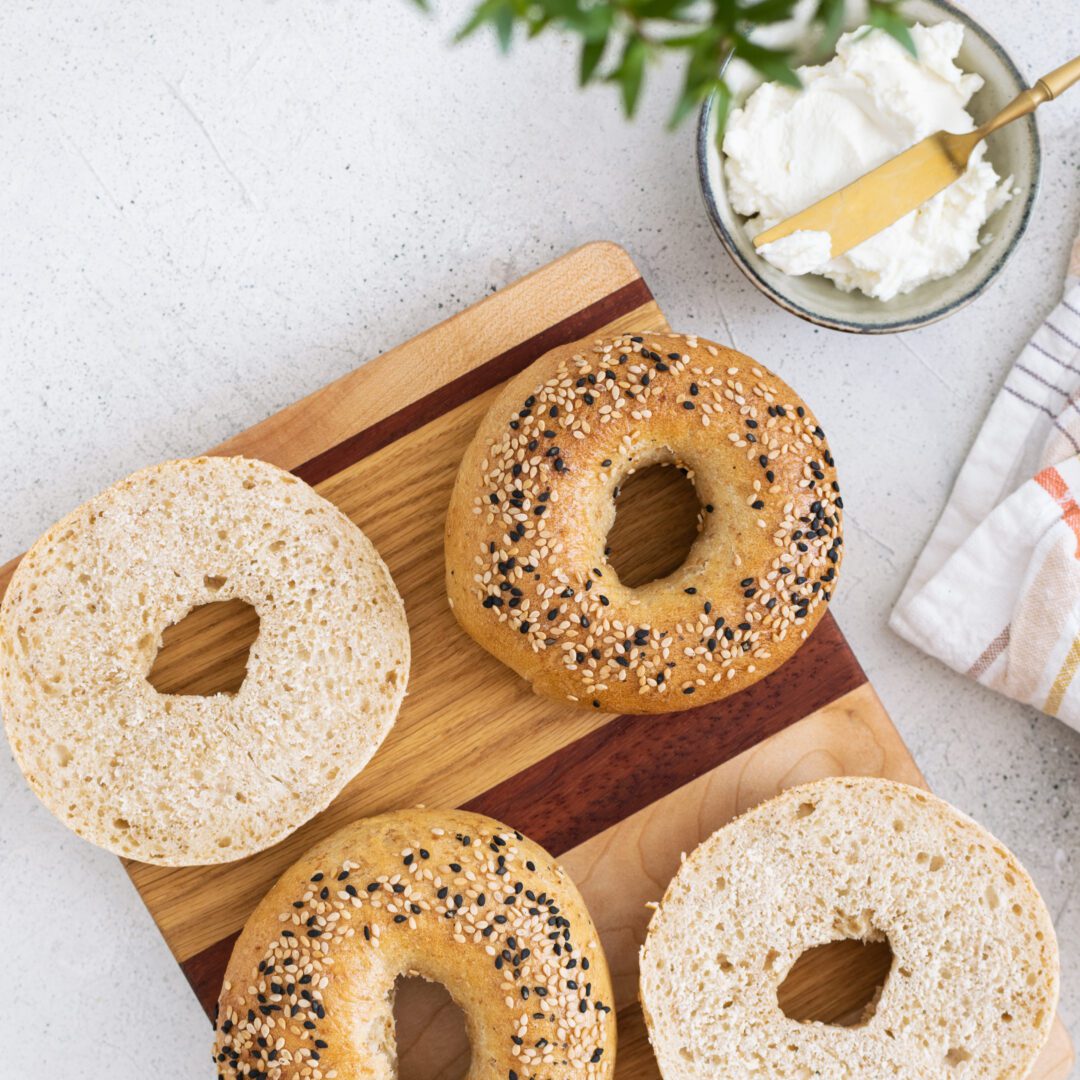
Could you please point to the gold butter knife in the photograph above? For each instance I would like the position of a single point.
(887, 193)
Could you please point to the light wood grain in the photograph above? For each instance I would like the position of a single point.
(206, 652)
(1058, 1057)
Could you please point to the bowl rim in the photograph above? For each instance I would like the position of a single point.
(852, 326)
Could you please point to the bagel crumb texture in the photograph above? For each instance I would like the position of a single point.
(973, 985)
(451, 896)
(181, 779)
(527, 568)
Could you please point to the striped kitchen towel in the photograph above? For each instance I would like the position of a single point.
(996, 592)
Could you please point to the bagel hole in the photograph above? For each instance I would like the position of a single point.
(839, 983)
(657, 519)
(206, 652)
(432, 1042)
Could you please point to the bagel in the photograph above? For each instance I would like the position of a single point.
(974, 979)
(526, 566)
(451, 896)
(184, 779)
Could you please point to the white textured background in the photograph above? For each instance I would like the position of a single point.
(208, 209)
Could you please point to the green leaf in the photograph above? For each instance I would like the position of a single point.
(704, 31)
(723, 110)
(770, 62)
(765, 12)
(831, 15)
(884, 17)
(673, 10)
(504, 26)
(631, 72)
(423, 5)
(599, 21)
(475, 21)
(591, 54)
(690, 98)
(593, 23)
(560, 9)
(538, 24)
(685, 41)
(500, 13)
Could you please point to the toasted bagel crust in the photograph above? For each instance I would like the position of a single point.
(452, 896)
(526, 569)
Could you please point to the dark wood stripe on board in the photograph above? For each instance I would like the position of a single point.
(632, 761)
(624, 766)
(465, 387)
(205, 972)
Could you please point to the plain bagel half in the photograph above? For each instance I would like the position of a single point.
(527, 570)
(974, 979)
(183, 778)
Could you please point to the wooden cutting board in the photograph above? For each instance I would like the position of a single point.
(618, 798)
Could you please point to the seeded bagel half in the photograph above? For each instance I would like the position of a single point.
(527, 569)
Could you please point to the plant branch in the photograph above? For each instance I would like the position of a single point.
(621, 38)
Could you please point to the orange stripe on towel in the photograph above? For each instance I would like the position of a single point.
(1051, 481)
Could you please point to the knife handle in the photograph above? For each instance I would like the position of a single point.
(1058, 81)
(1045, 89)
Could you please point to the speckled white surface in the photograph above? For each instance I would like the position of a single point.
(208, 209)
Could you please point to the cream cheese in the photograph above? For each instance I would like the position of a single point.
(786, 148)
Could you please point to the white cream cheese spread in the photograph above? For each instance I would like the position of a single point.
(787, 148)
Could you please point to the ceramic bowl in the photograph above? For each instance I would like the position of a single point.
(1014, 151)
